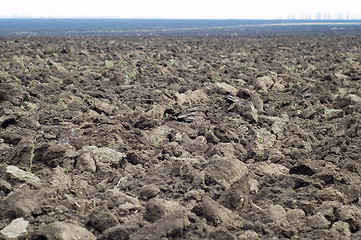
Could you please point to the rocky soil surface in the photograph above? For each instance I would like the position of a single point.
(180, 137)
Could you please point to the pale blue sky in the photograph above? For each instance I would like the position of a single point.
(216, 9)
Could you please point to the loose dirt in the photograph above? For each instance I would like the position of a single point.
(180, 137)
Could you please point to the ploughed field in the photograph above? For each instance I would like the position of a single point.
(181, 137)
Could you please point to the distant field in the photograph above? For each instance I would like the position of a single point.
(144, 27)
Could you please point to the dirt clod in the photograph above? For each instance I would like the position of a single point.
(182, 137)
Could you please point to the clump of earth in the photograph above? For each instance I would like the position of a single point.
(180, 137)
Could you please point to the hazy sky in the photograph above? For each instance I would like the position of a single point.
(224, 9)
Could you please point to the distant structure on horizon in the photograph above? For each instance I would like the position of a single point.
(323, 16)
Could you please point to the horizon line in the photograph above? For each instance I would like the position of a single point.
(160, 18)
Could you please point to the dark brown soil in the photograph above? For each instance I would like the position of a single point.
(181, 137)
